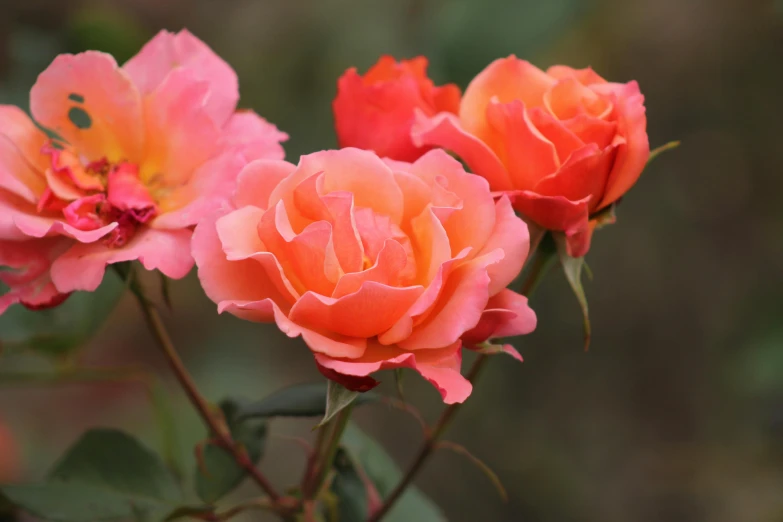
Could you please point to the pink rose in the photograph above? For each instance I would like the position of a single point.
(376, 264)
(142, 152)
(562, 144)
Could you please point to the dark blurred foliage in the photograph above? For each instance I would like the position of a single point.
(676, 412)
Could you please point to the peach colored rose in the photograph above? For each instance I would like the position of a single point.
(375, 264)
(9, 456)
(141, 153)
(376, 111)
(563, 145)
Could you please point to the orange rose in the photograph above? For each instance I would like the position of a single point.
(376, 111)
(376, 265)
(562, 144)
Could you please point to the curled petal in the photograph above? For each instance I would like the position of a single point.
(29, 279)
(512, 236)
(307, 257)
(582, 176)
(444, 130)
(633, 152)
(390, 264)
(504, 80)
(441, 367)
(332, 345)
(459, 307)
(507, 314)
(84, 213)
(235, 281)
(348, 315)
(551, 212)
(527, 154)
(473, 220)
(127, 193)
(357, 171)
(337, 209)
(564, 140)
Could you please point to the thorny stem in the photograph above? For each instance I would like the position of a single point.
(220, 432)
(430, 443)
(541, 264)
(326, 448)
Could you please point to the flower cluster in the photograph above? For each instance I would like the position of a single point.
(383, 254)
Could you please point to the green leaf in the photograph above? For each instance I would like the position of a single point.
(78, 502)
(58, 332)
(219, 473)
(572, 267)
(106, 476)
(338, 397)
(384, 474)
(115, 459)
(351, 491)
(301, 400)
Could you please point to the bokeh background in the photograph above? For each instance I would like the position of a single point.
(675, 413)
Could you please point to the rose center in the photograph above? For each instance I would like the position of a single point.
(92, 195)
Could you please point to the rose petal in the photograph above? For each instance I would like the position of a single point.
(336, 208)
(126, 192)
(257, 181)
(507, 315)
(504, 80)
(444, 130)
(564, 140)
(180, 134)
(390, 264)
(348, 315)
(441, 367)
(307, 258)
(83, 265)
(459, 307)
(550, 212)
(510, 235)
(167, 52)
(29, 280)
(472, 224)
(585, 76)
(633, 153)
(249, 133)
(526, 153)
(583, 176)
(21, 162)
(243, 279)
(333, 345)
(91, 103)
(210, 187)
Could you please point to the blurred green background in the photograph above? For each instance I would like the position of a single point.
(676, 412)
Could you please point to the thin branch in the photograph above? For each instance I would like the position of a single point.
(218, 428)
